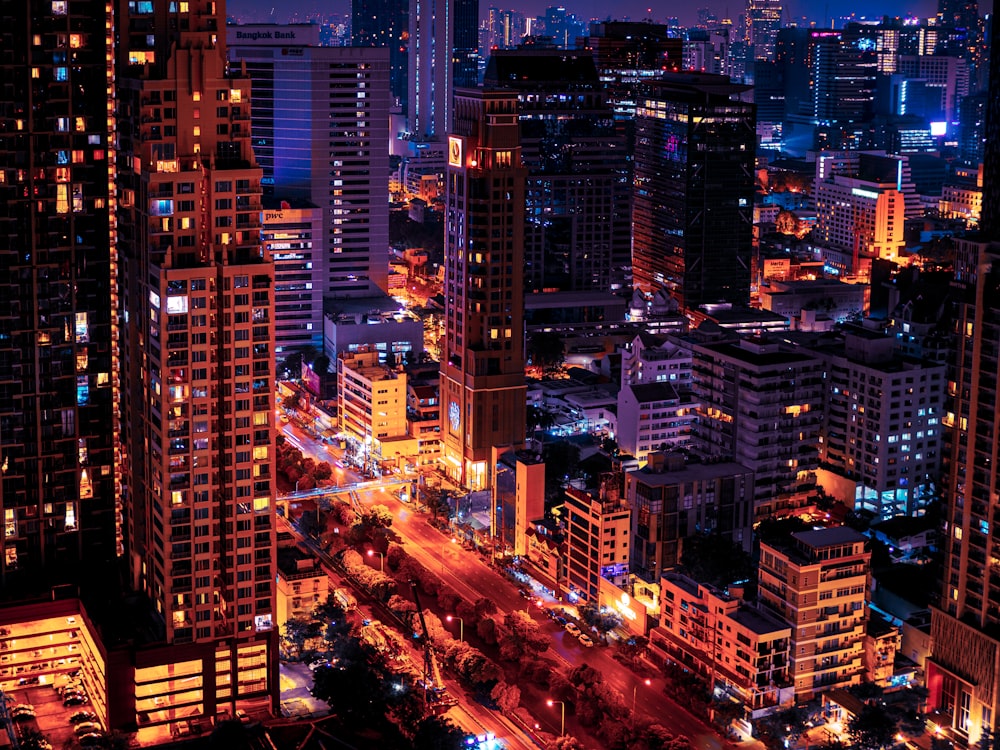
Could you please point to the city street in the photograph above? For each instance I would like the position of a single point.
(472, 578)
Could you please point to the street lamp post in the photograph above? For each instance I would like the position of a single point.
(562, 705)
(443, 548)
(381, 559)
(634, 689)
(461, 626)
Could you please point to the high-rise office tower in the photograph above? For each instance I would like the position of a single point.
(963, 675)
(579, 181)
(627, 53)
(444, 54)
(692, 217)
(58, 378)
(320, 119)
(465, 49)
(385, 23)
(483, 391)
(197, 362)
(763, 20)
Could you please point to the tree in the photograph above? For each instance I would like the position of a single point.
(716, 560)
(507, 697)
(566, 742)
(605, 621)
(546, 350)
(521, 637)
(632, 648)
(438, 733)
(873, 728)
(561, 458)
(292, 400)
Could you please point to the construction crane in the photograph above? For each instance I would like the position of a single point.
(436, 696)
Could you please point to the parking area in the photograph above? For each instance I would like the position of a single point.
(52, 718)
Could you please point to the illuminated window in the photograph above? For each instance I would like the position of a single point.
(261, 504)
(260, 453)
(62, 199)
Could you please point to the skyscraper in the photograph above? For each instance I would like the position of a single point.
(483, 391)
(693, 189)
(763, 20)
(963, 675)
(58, 363)
(578, 189)
(444, 53)
(198, 363)
(384, 23)
(320, 119)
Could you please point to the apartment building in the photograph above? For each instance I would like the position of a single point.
(819, 582)
(740, 649)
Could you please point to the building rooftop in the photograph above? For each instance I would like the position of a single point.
(533, 68)
(758, 621)
(692, 472)
(829, 536)
(648, 392)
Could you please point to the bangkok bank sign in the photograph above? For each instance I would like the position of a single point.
(268, 35)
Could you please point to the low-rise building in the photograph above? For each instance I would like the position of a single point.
(819, 582)
(672, 499)
(302, 584)
(598, 522)
(372, 405)
(881, 645)
(653, 416)
(739, 648)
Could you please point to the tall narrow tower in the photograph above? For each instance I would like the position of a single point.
(963, 675)
(483, 391)
(198, 359)
(58, 379)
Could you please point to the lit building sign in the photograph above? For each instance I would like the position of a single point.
(454, 151)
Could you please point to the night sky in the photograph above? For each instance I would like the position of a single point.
(281, 11)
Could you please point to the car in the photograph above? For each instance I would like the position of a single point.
(241, 716)
(76, 699)
(90, 739)
(80, 716)
(572, 629)
(22, 711)
(585, 640)
(70, 687)
(318, 663)
(86, 728)
(560, 620)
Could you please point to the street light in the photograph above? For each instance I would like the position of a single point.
(443, 548)
(381, 559)
(562, 705)
(634, 689)
(461, 626)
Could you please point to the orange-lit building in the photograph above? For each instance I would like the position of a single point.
(483, 391)
(198, 396)
(819, 582)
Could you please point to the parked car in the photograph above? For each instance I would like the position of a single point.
(572, 629)
(585, 640)
(90, 739)
(81, 716)
(314, 665)
(74, 699)
(86, 728)
(22, 711)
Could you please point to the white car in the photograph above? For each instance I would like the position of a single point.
(318, 663)
(572, 629)
(585, 640)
